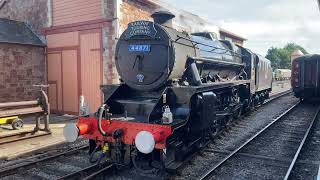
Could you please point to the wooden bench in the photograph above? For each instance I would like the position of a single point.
(39, 108)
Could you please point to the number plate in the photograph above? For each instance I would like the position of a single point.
(139, 48)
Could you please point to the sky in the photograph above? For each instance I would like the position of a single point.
(265, 23)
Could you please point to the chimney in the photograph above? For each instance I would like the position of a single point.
(163, 17)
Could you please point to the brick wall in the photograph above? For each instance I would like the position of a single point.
(110, 75)
(133, 11)
(20, 68)
(33, 12)
(128, 11)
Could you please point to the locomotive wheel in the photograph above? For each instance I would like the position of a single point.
(213, 131)
(17, 124)
(237, 113)
(262, 100)
(142, 165)
(229, 121)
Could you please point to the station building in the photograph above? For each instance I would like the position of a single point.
(227, 35)
(81, 36)
(22, 52)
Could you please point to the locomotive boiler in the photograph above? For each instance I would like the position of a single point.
(178, 91)
(149, 55)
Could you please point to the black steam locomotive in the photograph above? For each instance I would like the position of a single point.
(177, 92)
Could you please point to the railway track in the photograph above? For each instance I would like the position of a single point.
(238, 133)
(38, 166)
(276, 96)
(272, 152)
(67, 164)
(21, 136)
(90, 172)
(307, 165)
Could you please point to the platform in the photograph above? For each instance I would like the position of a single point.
(280, 86)
(15, 149)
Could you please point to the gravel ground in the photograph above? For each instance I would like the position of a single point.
(132, 174)
(270, 154)
(51, 169)
(238, 134)
(249, 125)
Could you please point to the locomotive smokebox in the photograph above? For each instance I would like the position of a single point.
(163, 18)
(148, 56)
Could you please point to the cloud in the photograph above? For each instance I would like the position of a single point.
(265, 23)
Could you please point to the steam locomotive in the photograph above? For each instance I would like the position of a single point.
(178, 91)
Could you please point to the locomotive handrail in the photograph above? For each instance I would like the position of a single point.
(214, 48)
(209, 60)
(211, 51)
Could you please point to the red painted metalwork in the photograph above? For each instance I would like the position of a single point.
(295, 74)
(89, 129)
(83, 128)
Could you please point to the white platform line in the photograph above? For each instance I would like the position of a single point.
(318, 177)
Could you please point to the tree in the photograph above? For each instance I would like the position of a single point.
(273, 56)
(281, 57)
(292, 47)
(285, 58)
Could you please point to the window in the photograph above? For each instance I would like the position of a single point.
(203, 34)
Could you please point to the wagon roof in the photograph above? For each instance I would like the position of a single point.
(17, 32)
(309, 57)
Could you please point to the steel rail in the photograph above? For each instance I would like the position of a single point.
(272, 98)
(276, 96)
(6, 170)
(80, 173)
(301, 145)
(75, 174)
(209, 172)
(93, 175)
